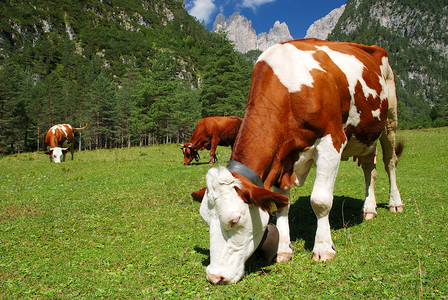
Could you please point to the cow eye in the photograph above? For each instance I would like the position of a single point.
(235, 221)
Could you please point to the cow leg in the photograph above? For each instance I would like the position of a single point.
(214, 145)
(390, 160)
(303, 165)
(327, 160)
(284, 252)
(72, 150)
(368, 164)
(369, 167)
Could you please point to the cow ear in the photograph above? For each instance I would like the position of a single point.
(260, 197)
(48, 152)
(198, 195)
(264, 199)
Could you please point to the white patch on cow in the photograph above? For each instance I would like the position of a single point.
(64, 129)
(291, 65)
(356, 148)
(386, 72)
(303, 165)
(353, 69)
(376, 114)
(54, 128)
(236, 228)
(61, 127)
(56, 154)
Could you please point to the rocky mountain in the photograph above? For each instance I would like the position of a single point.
(239, 30)
(323, 27)
(415, 34)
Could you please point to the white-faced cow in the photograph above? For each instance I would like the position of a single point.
(310, 101)
(210, 133)
(59, 140)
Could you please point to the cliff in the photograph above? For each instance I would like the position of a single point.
(239, 30)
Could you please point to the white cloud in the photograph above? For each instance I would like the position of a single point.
(254, 3)
(202, 9)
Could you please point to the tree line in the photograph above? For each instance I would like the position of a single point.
(155, 94)
(143, 107)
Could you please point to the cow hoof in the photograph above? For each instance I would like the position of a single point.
(396, 209)
(283, 256)
(369, 215)
(324, 256)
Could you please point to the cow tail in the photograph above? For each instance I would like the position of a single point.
(85, 126)
(399, 149)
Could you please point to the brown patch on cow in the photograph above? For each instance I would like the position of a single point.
(198, 195)
(369, 128)
(260, 197)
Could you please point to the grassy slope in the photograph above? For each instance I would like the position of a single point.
(121, 223)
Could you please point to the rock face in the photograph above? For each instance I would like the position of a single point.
(239, 30)
(322, 27)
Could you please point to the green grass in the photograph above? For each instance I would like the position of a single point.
(121, 224)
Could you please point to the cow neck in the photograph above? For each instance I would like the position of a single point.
(262, 150)
(258, 157)
(237, 167)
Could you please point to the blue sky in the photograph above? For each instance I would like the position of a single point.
(298, 14)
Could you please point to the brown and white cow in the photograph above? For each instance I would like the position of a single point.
(59, 140)
(310, 101)
(210, 133)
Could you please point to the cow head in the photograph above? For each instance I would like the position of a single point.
(189, 153)
(57, 154)
(237, 212)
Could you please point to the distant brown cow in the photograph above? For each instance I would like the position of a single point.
(209, 133)
(59, 139)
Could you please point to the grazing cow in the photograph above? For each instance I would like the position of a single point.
(209, 133)
(310, 101)
(59, 139)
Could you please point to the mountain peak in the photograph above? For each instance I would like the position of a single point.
(239, 30)
(323, 27)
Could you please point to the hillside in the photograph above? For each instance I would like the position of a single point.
(138, 71)
(415, 33)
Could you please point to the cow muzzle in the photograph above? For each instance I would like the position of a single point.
(215, 279)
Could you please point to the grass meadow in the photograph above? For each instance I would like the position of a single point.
(121, 224)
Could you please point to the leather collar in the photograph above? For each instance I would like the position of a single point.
(237, 167)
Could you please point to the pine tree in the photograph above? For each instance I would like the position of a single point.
(226, 82)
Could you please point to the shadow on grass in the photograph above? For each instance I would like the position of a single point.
(345, 213)
(196, 164)
(206, 163)
(254, 264)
